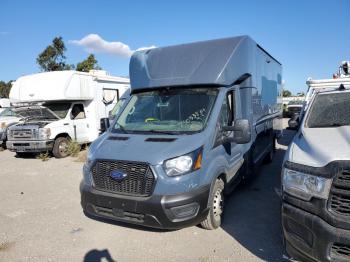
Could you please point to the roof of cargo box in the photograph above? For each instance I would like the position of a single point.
(218, 62)
(59, 85)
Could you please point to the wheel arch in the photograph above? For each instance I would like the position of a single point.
(66, 135)
(221, 174)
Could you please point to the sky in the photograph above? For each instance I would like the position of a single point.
(310, 38)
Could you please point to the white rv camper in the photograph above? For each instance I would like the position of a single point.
(62, 106)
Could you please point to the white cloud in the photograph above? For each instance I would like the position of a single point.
(93, 43)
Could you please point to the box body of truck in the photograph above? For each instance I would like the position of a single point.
(77, 100)
(201, 117)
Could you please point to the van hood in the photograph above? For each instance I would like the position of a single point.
(32, 124)
(9, 119)
(319, 146)
(152, 149)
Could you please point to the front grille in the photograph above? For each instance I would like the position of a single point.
(339, 251)
(339, 199)
(22, 134)
(138, 182)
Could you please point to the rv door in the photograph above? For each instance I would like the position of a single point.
(80, 123)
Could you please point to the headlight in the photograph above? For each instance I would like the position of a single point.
(87, 176)
(184, 164)
(3, 125)
(305, 186)
(44, 133)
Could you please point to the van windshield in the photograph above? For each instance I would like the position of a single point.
(34, 113)
(171, 111)
(116, 108)
(330, 110)
(60, 109)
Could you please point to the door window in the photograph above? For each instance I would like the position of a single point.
(78, 112)
(226, 116)
(231, 107)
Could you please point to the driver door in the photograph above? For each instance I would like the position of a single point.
(80, 123)
(229, 112)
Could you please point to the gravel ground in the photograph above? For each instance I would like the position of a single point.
(41, 220)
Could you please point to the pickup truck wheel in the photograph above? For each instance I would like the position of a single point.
(60, 147)
(216, 201)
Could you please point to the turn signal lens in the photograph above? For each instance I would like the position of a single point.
(198, 163)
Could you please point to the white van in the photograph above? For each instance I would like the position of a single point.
(64, 106)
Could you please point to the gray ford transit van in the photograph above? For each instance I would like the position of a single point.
(201, 117)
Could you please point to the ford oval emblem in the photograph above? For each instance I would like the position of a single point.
(118, 175)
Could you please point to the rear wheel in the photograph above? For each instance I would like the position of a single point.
(60, 147)
(216, 201)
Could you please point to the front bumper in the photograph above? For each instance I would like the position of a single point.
(154, 211)
(310, 238)
(29, 146)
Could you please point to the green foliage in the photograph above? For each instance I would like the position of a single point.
(88, 64)
(53, 58)
(73, 148)
(5, 89)
(287, 93)
(43, 156)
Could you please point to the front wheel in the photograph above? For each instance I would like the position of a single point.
(60, 147)
(216, 201)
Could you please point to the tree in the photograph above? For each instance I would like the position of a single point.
(5, 88)
(301, 94)
(287, 93)
(53, 58)
(88, 64)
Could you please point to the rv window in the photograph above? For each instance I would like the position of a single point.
(110, 95)
(78, 112)
(60, 109)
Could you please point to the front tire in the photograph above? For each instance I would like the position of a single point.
(60, 147)
(216, 201)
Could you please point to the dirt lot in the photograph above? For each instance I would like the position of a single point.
(41, 220)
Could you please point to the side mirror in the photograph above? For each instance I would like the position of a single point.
(110, 115)
(242, 133)
(104, 124)
(293, 124)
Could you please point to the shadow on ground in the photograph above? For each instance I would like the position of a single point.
(252, 213)
(95, 255)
